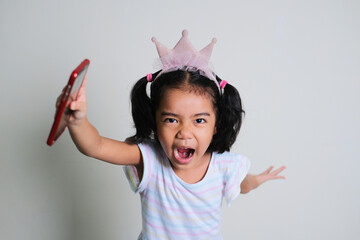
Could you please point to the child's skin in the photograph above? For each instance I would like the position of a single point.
(185, 125)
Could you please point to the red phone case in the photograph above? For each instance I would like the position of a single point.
(61, 121)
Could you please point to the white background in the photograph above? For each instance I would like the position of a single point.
(295, 63)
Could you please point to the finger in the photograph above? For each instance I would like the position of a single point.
(59, 98)
(82, 92)
(275, 177)
(277, 171)
(64, 89)
(58, 101)
(84, 81)
(81, 95)
(83, 84)
(267, 171)
(271, 177)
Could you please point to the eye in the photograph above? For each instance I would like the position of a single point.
(200, 120)
(170, 120)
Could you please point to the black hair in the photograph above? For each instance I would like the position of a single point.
(227, 106)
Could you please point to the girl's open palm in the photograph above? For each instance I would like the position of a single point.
(253, 181)
(268, 174)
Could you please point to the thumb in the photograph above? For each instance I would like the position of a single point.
(79, 109)
(78, 106)
(82, 91)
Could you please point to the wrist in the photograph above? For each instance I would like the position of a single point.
(77, 123)
(249, 183)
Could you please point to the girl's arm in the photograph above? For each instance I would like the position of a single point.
(90, 143)
(251, 181)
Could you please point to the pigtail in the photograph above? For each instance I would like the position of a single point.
(229, 118)
(142, 113)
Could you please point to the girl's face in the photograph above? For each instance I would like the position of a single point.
(185, 124)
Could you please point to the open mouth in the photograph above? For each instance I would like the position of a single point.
(184, 155)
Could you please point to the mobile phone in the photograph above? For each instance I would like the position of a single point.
(70, 93)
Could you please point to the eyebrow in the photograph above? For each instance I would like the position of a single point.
(177, 115)
(202, 114)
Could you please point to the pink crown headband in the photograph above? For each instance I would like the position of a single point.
(185, 57)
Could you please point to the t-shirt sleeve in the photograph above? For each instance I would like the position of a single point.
(131, 173)
(233, 178)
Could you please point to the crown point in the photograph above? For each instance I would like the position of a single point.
(214, 40)
(153, 39)
(185, 33)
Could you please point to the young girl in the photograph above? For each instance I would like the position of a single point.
(179, 159)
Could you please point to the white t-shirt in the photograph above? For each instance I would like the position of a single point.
(174, 209)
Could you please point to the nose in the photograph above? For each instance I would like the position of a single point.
(184, 132)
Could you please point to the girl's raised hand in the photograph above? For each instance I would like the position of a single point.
(78, 107)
